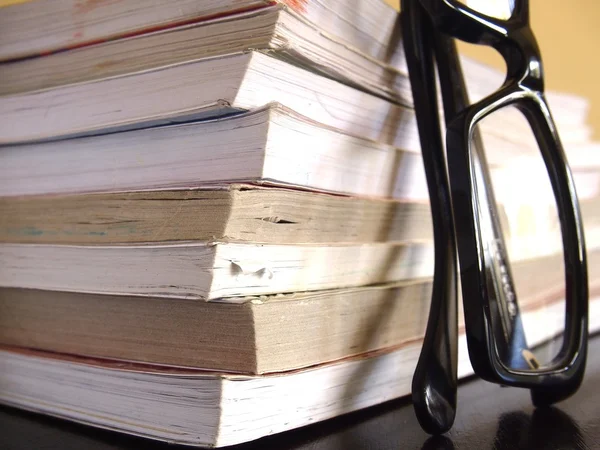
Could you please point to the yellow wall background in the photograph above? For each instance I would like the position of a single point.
(568, 34)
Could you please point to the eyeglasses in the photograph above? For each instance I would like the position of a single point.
(466, 219)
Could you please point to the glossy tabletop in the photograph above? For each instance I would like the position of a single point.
(489, 417)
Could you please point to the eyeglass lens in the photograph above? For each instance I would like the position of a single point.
(527, 298)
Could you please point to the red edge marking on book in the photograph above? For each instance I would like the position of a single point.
(297, 5)
(151, 29)
(166, 369)
(86, 6)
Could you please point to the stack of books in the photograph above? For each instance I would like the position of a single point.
(214, 221)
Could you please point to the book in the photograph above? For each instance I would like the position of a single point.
(39, 27)
(211, 409)
(202, 89)
(255, 214)
(198, 270)
(252, 335)
(232, 212)
(272, 144)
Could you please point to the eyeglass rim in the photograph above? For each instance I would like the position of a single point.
(481, 342)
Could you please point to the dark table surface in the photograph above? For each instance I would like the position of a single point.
(489, 417)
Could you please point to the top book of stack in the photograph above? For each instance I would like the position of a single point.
(40, 27)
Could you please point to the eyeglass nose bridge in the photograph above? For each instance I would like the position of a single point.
(458, 20)
(512, 37)
(523, 60)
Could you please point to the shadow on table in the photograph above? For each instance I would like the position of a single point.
(385, 427)
(546, 428)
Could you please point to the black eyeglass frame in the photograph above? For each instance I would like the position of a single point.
(434, 383)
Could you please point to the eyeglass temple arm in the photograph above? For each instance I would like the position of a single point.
(435, 379)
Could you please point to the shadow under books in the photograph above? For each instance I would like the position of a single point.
(385, 427)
